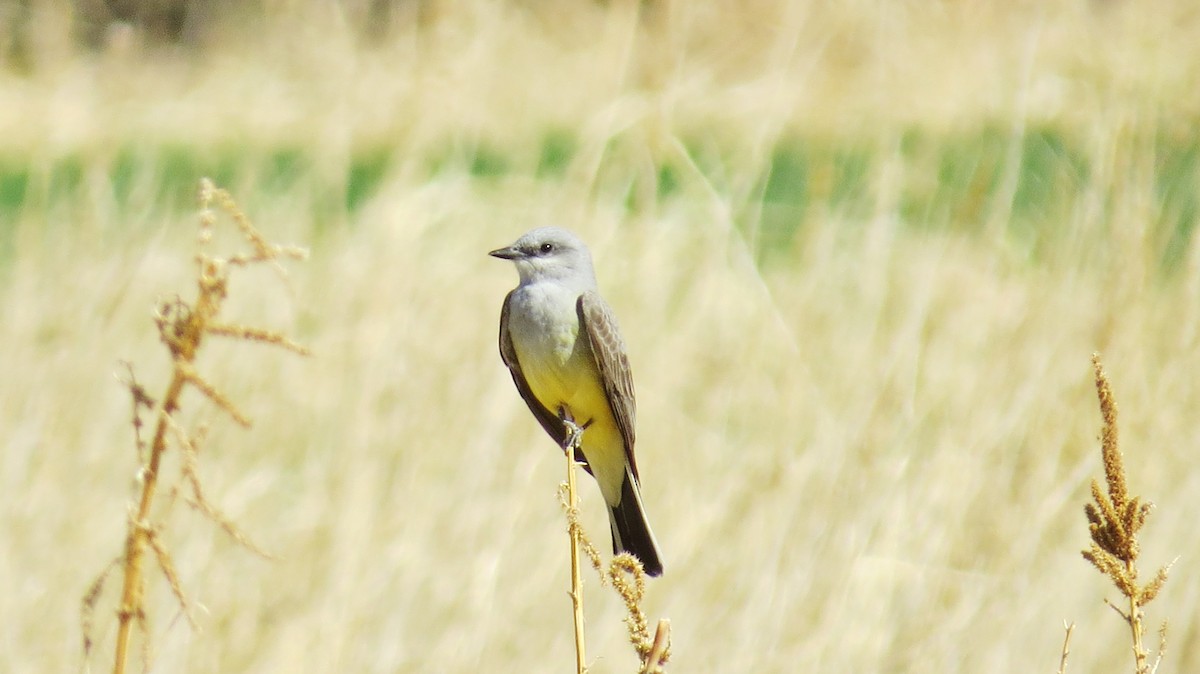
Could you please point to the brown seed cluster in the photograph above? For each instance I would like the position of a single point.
(1114, 520)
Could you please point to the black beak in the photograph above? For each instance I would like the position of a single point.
(508, 253)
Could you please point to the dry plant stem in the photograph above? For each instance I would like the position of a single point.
(182, 329)
(660, 649)
(1134, 618)
(570, 447)
(139, 528)
(624, 573)
(1066, 648)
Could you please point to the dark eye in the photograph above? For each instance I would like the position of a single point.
(546, 248)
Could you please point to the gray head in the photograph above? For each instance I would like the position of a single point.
(550, 253)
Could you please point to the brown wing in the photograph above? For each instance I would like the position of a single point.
(549, 420)
(598, 322)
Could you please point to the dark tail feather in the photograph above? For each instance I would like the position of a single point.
(630, 530)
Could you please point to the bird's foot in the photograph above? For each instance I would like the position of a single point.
(574, 431)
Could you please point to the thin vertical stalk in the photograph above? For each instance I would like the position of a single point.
(135, 541)
(573, 440)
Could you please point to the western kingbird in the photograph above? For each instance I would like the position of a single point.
(560, 341)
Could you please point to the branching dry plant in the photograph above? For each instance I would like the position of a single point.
(1114, 520)
(624, 573)
(182, 328)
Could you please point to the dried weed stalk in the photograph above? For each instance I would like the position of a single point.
(1114, 520)
(182, 328)
(1066, 647)
(571, 446)
(625, 574)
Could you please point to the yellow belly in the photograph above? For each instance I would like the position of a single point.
(561, 372)
(565, 376)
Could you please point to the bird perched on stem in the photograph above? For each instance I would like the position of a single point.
(560, 341)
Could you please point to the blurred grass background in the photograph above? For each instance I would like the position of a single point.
(861, 251)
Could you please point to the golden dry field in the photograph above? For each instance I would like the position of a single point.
(862, 254)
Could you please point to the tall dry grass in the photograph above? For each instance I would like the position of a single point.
(868, 455)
